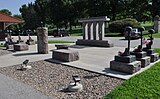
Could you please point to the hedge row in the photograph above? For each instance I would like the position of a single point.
(118, 26)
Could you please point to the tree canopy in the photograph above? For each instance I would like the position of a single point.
(64, 13)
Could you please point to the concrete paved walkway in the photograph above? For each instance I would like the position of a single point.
(11, 89)
(95, 59)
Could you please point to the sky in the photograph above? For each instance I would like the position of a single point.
(13, 5)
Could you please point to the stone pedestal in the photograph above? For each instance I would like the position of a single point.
(126, 64)
(125, 59)
(139, 54)
(65, 55)
(125, 67)
(144, 61)
(142, 56)
(98, 43)
(154, 57)
(42, 40)
(150, 52)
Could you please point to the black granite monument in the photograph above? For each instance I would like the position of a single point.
(141, 55)
(124, 62)
(148, 49)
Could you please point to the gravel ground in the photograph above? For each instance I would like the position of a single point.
(51, 79)
(4, 52)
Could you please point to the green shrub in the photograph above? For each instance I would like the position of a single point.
(118, 26)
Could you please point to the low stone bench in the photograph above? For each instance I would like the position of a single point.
(65, 55)
(62, 46)
(20, 47)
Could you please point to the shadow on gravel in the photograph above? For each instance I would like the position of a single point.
(108, 70)
(91, 76)
(53, 61)
(25, 54)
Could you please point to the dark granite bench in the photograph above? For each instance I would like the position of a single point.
(65, 55)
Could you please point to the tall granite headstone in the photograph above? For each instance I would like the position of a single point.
(42, 40)
(157, 24)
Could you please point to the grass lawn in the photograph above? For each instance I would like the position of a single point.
(156, 35)
(157, 50)
(58, 41)
(76, 34)
(142, 86)
(1, 46)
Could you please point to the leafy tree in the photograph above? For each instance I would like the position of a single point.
(40, 7)
(6, 11)
(32, 20)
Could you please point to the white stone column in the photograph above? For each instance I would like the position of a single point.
(97, 31)
(85, 30)
(101, 30)
(91, 30)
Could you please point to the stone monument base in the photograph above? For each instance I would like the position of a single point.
(144, 61)
(125, 67)
(125, 59)
(139, 54)
(97, 43)
(65, 55)
(149, 51)
(154, 57)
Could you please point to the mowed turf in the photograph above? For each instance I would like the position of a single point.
(142, 86)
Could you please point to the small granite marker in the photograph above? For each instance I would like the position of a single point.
(148, 49)
(141, 55)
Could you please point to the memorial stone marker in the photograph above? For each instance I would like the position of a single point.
(157, 24)
(150, 52)
(141, 55)
(124, 62)
(42, 40)
(93, 32)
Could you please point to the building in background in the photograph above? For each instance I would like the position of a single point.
(6, 21)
